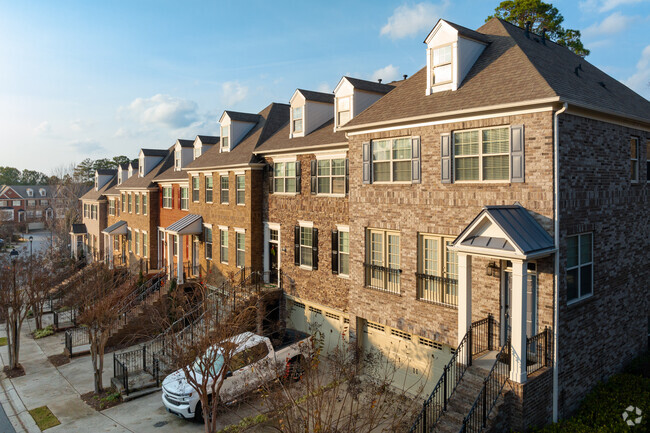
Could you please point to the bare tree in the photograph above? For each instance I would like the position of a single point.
(67, 188)
(13, 302)
(46, 270)
(100, 297)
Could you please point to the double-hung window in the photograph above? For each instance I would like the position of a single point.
(177, 160)
(240, 182)
(137, 203)
(195, 189)
(579, 266)
(129, 236)
(225, 138)
(341, 251)
(634, 159)
(208, 243)
(145, 240)
(437, 276)
(240, 240)
(167, 197)
(225, 189)
(297, 119)
(137, 243)
(175, 244)
(342, 110)
(123, 201)
(441, 64)
(306, 245)
(391, 160)
(382, 260)
(481, 155)
(185, 199)
(331, 175)
(111, 207)
(130, 198)
(284, 177)
(208, 189)
(223, 245)
(144, 203)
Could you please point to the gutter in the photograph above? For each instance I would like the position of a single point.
(556, 236)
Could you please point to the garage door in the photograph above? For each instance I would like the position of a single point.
(414, 363)
(330, 326)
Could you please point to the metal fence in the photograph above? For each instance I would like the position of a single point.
(440, 290)
(382, 278)
(76, 337)
(538, 351)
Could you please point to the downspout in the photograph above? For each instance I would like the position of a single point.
(556, 236)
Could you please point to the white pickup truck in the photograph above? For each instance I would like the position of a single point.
(254, 362)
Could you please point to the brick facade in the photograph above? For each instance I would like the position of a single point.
(169, 217)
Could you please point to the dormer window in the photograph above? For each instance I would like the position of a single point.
(441, 65)
(225, 138)
(177, 160)
(141, 166)
(30, 193)
(197, 152)
(342, 110)
(96, 182)
(43, 192)
(297, 119)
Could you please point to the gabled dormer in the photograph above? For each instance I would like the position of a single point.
(183, 153)
(451, 53)
(102, 177)
(30, 192)
(352, 96)
(122, 173)
(234, 127)
(309, 110)
(203, 143)
(148, 159)
(133, 167)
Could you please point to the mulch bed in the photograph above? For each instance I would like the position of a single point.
(16, 372)
(58, 360)
(107, 398)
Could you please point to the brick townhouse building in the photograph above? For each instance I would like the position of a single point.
(26, 203)
(505, 178)
(505, 183)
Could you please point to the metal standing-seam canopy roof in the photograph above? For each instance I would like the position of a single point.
(119, 228)
(188, 225)
(505, 231)
(79, 229)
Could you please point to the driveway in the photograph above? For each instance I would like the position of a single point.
(60, 389)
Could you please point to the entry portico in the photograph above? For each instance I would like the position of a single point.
(502, 233)
(189, 225)
(120, 228)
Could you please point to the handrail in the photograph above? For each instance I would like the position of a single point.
(538, 354)
(142, 291)
(476, 419)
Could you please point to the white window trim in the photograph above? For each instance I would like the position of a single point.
(291, 158)
(566, 270)
(237, 250)
(284, 177)
(308, 224)
(144, 195)
(480, 156)
(342, 228)
(331, 176)
(145, 233)
(237, 189)
(238, 230)
(209, 226)
(199, 189)
(385, 256)
(171, 197)
(327, 155)
(180, 192)
(221, 230)
(205, 180)
(636, 160)
(451, 62)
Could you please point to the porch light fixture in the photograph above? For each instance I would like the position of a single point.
(493, 270)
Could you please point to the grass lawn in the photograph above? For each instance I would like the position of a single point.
(3, 341)
(44, 418)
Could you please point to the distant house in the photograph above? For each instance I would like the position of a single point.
(32, 204)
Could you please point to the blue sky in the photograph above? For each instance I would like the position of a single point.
(96, 79)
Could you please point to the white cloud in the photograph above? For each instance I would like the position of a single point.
(86, 146)
(605, 5)
(388, 73)
(163, 110)
(78, 125)
(324, 87)
(640, 81)
(410, 20)
(615, 23)
(233, 92)
(44, 128)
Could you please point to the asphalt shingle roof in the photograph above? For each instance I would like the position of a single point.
(242, 117)
(310, 95)
(513, 68)
(370, 86)
(137, 182)
(324, 134)
(98, 194)
(209, 139)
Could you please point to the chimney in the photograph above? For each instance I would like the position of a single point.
(544, 36)
(379, 80)
(405, 76)
(528, 23)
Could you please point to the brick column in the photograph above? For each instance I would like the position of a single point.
(518, 321)
(464, 294)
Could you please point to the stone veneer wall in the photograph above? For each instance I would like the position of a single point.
(325, 212)
(598, 335)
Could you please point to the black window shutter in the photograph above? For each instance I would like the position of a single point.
(314, 249)
(347, 175)
(298, 177)
(366, 162)
(271, 181)
(335, 252)
(517, 160)
(296, 245)
(313, 176)
(416, 175)
(446, 159)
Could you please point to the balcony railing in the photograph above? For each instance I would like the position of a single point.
(538, 351)
(382, 278)
(440, 290)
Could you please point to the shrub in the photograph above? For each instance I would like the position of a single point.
(45, 332)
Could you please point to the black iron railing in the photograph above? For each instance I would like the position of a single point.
(538, 351)
(484, 335)
(382, 278)
(476, 419)
(441, 290)
(75, 337)
(121, 373)
(60, 317)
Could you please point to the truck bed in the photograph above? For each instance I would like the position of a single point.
(290, 336)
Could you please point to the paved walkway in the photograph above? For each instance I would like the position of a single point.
(60, 388)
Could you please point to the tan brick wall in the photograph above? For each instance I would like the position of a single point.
(600, 334)
(444, 209)
(325, 212)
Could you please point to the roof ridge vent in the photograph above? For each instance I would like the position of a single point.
(379, 80)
